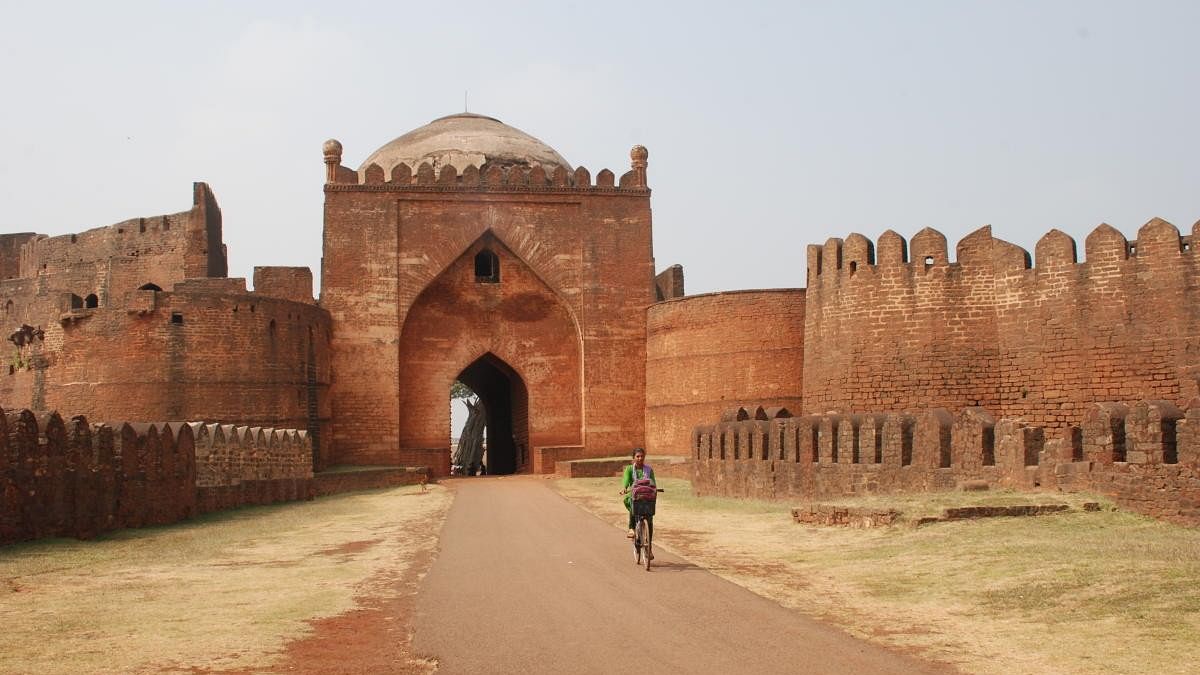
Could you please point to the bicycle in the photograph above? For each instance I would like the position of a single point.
(643, 531)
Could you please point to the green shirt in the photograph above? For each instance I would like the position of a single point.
(628, 478)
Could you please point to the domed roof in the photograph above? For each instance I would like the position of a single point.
(462, 140)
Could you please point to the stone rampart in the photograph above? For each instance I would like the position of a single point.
(1145, 456)
(71, 478)
(705, 353)
(897, 325)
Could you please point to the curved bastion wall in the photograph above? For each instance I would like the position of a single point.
(207, 349)
(707, 353)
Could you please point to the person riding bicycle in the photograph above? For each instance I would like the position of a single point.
(634, 472)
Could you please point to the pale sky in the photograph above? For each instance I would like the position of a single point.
(770, 125)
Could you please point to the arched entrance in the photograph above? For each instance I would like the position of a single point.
(489, 321)
(506, 400)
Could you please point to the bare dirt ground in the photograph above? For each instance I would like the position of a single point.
(286, 588)
(526, 582)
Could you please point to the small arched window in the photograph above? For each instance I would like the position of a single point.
(150, 287)
(487, 267)
(91, 301)
(76, 302)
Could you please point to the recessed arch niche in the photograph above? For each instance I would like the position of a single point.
(520, 323)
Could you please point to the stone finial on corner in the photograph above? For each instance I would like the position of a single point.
(333, 158)
(639, 154)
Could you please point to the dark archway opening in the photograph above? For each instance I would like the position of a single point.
(504, 396)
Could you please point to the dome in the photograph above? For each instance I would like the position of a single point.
(462, 140)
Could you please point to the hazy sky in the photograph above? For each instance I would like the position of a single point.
(770, 125)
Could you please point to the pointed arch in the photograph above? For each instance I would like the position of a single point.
(522, 323)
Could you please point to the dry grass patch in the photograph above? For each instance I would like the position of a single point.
(226, 591)
(1106, 592)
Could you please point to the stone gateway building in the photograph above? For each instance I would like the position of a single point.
(469, 250)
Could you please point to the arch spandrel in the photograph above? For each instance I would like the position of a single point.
(521, 321)
(522, 231)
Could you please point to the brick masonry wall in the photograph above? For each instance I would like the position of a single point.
(72, 478)
(288, 283)
(209, 350)
(10, 253)
(394, 252)
(706, 353)
(668, 285)
(909, 329)
(114, 260)
(1145, 456)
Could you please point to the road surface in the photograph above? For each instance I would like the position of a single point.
(527, 582)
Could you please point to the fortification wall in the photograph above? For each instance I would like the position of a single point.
(288, 283)
(668, 284)
(73, 478)
(391, 232)
(109, 262)
(901, 330)
(10, 253)
(706, 353)
(208, 350)
(1145, 455)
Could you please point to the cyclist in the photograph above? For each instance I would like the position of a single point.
(638, 470)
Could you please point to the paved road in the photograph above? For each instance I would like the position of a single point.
(526, 582)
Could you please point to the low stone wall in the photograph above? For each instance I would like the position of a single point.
(328, 483)
(826, 514)
(76, 479)
(1145, 456)
(664, 467)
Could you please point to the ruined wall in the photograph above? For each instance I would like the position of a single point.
(109, 262)
(208, 350)
(10, 253)
(912, 330)
(705, 353)
(287, 283)
(668, 285)
(1145, 455)
(72, 478)
(389, 237)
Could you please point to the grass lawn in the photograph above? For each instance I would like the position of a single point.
(1107, 592)
(226, 591)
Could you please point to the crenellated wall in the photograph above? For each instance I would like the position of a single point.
(1145, 456)
(705, 353)
(73, 478)
(899, 326)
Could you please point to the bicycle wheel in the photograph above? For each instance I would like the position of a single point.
(647, 554)
(638, 531)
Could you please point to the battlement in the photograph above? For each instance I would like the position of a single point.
(1157, 241)
(69, 477)
(1037, 337)
(1145, 455)
(490, 177)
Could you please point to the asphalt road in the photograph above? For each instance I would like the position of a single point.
(526, 582)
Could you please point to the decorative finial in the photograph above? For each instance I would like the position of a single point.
(333, 158)
(639, 154)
